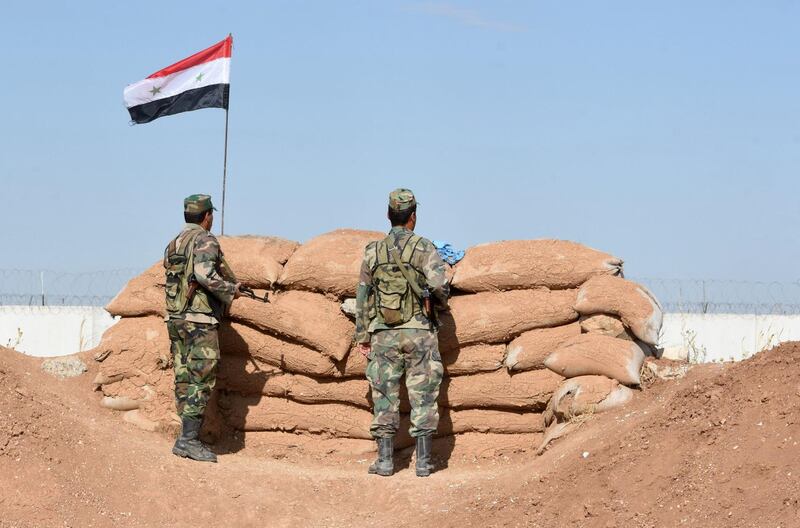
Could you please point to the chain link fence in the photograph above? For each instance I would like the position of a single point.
(97, 288)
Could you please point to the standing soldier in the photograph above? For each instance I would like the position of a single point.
(199, 289)
(402, 277)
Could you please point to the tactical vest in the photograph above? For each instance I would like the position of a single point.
(179, 266)
(395, 300)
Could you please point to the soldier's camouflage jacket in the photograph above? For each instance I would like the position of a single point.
(216, 280)
(425, 259)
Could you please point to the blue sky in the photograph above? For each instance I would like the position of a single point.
(667, 133)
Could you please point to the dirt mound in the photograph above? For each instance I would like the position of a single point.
(718, 448)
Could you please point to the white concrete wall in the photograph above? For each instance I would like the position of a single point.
(705, 338)
(52, 330)
(61, 330)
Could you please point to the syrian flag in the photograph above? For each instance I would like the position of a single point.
(200, 81)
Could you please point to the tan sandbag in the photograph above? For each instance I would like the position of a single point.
(491, 317)
(488, 421)
(237, 339)
(276, 414)
(137, 347)
(354, 365)
(472, 359)
(142, 295)
(295, 387)
(264, 413)
(239, 248)
(529, 350)
(329, 263)
(101, 379)
(308, 318)
(585, 395)
(597, 354)
(257, 261)
(633, 303)
(524, 264)
(119, 403)
(501, 390)
(605, 324)
(134, 417)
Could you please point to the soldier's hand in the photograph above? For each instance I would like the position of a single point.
(364, 348)
(237, 293)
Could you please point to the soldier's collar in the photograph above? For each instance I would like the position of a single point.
(399, 229)
(193, 226)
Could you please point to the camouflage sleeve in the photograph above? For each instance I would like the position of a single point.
(435, 275)
(207, 258)
(362, 301)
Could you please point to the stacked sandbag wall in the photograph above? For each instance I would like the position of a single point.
(524, 316)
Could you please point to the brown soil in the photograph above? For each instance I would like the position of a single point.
(718, 448)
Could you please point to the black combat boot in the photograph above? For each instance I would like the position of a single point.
(188, 444)
(423, 464)
(384, 465)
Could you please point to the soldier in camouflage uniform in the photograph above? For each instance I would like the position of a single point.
(402, 278)
(199, 289)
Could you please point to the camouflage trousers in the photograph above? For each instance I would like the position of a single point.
(415, 353)
(195, 354)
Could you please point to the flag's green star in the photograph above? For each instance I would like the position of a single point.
(199, 77)
(155, 90)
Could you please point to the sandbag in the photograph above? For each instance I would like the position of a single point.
(472, 359)
(633, 303)
(492, 317)
(119, 403)
(488, 421)
(329, 263)
(308, 318)
(585, 395)
(239, 248)
(257, 261)
(263, 413)
(134, 417)
(142, 295)
(500, 390)
(304, 389)
(605, 324)
(529, 350)
(597, 354)
(237, 339)
(524, 264)
(134, 347)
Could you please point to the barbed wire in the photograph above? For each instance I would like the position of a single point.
(20, 287)
(62, 288)
(725, 296)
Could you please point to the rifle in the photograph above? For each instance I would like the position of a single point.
(244, 290)
(248, 292)
(427, 306)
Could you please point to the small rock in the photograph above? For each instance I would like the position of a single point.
(64, 367)
(349, 308)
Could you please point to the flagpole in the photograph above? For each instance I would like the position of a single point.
(224, 174)
(225, 156)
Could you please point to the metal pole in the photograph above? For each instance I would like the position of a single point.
(224, 173)
(41, 281)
